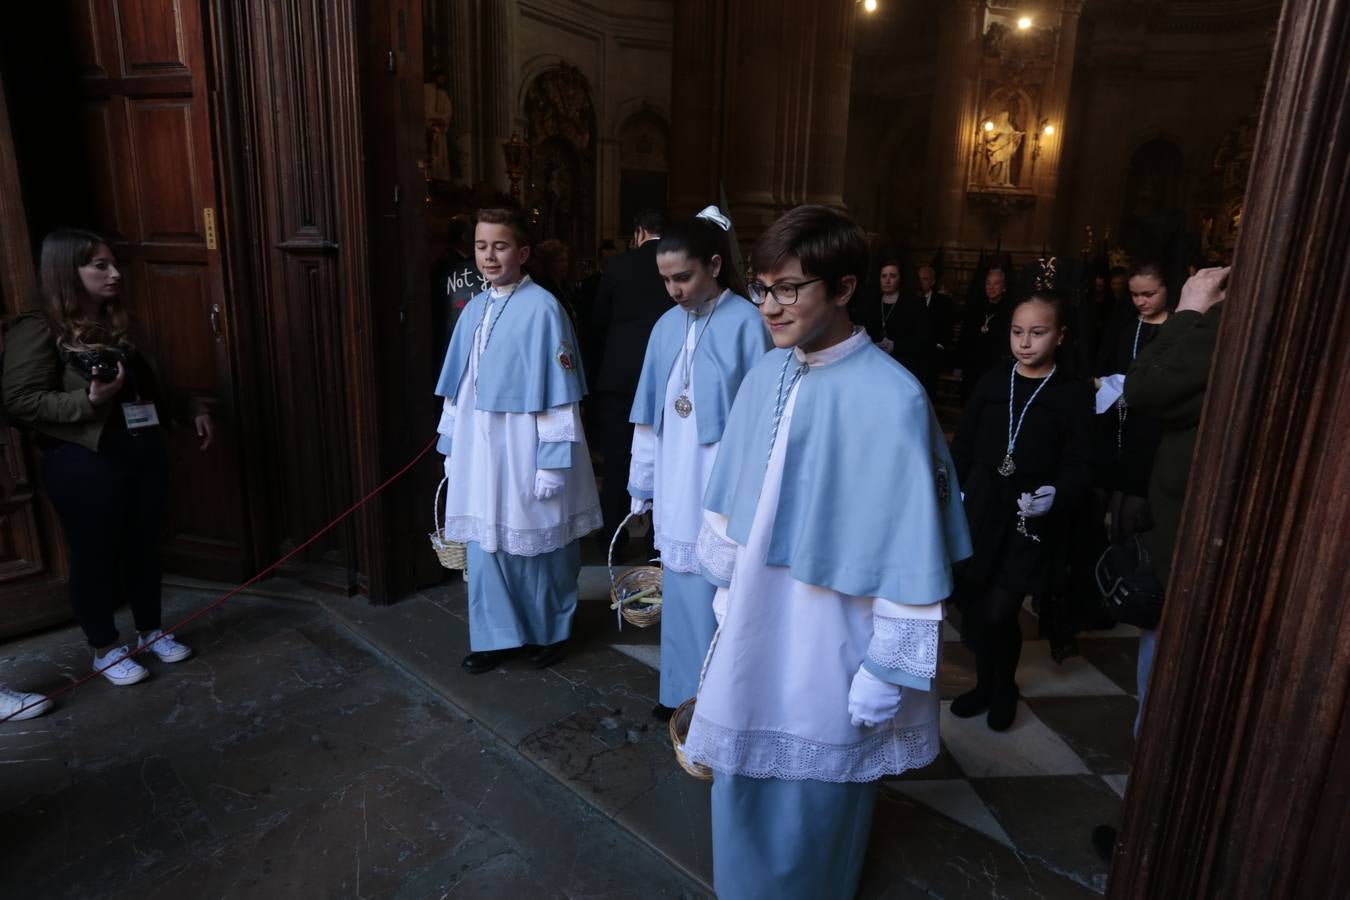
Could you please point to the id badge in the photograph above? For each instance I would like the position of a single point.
(140, 415)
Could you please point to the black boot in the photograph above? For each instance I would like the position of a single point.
(1003, 695)
(976, 700)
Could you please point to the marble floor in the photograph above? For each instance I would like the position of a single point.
(287, 758)
(321, 747)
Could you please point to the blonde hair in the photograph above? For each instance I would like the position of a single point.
(63, 253)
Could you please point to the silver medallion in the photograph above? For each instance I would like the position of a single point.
(683, 406)
(1007, 467)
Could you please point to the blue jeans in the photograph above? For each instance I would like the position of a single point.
(1147, 640)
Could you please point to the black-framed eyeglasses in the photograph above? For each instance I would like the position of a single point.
(785, 292)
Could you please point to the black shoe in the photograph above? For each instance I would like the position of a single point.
(1002, 708)
(486, 660)
(971, 703)
(662, 713)
(1104, 842)
(543, 657)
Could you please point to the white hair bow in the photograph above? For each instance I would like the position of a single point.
(714, 215)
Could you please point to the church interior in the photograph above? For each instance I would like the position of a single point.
(287, 184)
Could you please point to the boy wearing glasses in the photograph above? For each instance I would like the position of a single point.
(830, 525)
(519, 488)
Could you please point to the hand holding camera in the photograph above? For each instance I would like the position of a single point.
(106, 383)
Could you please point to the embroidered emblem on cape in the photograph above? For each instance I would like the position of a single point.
(944, 482)
(566, 359)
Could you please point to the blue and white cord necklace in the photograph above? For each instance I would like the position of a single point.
(1008, 467)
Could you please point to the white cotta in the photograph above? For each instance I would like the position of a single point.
(489, 497)
(775, 700)
(682, 466)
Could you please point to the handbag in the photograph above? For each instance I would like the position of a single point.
(1131, 591)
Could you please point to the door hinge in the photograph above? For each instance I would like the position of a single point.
(391, 60)
(209, 221)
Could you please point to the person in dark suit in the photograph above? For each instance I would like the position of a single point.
(630, 299)
(984, 332)
(925, 330)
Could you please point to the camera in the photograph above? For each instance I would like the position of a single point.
(101, 364)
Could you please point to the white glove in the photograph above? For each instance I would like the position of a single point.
(720, 604)
(547, 483)
(872, 701)
(1037, 504)
(637, 506)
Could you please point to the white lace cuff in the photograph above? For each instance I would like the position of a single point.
(447, 424)
(642, 466)
(716, 555)
(677, 556)
(557, 425)
(905, 649)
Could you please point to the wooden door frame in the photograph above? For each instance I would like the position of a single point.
(1240, 785)
(238, 99)
(42, 598)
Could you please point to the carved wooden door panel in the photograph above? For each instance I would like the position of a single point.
(148, 128)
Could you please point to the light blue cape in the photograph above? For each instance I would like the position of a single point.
(736, 339)
(869, 504)
(531, 363)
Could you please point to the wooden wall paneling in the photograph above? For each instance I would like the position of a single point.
(1241, 780)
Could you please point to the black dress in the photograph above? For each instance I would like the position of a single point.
(1054, 447)
(1126, 440)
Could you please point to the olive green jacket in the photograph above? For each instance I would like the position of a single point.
(44, 394)
(1167, 381)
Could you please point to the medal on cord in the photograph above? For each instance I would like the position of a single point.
(683, 405)
(1008, 467)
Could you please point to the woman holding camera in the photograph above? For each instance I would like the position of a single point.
(74, 377)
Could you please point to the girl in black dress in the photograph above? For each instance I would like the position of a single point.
(1023, 453)
(1126, 440)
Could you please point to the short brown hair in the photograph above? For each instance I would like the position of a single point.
(829, 244)
(511, 218)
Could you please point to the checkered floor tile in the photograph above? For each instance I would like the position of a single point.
(1038, 788)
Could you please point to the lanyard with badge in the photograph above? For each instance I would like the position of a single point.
(139, 414)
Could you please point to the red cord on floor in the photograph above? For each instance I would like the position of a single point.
(252, 581)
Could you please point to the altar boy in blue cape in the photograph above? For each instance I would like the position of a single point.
(697, 355)
(832, 520)
(519, 487)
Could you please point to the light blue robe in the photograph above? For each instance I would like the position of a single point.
(771, 845)
(531, 366)
(833, 528)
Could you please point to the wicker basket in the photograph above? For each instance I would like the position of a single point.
(637, 580)
(452, 554)
(679, 730)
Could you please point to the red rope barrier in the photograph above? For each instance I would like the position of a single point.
(252, 581)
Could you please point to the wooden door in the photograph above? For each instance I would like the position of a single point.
(33, 563)
(147, 127)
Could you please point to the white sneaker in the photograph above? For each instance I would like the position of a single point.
(15, 706)
(124, 669)
(165, 647)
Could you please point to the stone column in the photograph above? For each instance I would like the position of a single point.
(460, 71)
(699, 47)
(498, 55)
(771, 79)
(952, 133)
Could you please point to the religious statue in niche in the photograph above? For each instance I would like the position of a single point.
(1001, 143)
(560, 192)
(438, 113)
